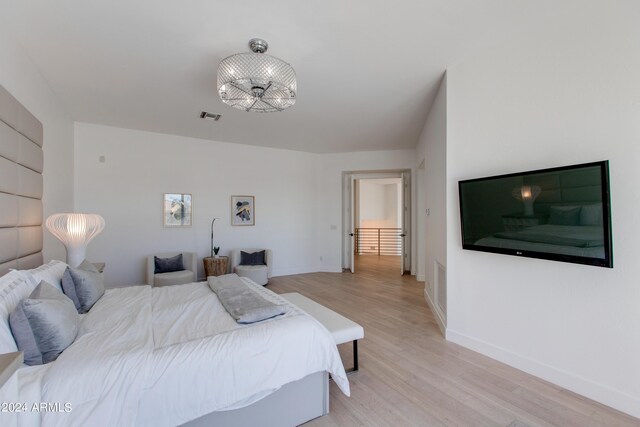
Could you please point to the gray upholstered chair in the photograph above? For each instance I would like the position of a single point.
(258, 273)
(188, 275)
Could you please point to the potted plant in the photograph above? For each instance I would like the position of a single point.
(216, 249)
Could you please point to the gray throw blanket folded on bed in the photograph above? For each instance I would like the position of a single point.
(243, 303)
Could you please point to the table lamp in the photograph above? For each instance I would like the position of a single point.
(75, 231)
(212, 247)
(527, 194)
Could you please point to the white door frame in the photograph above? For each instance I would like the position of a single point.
(348, 178)
(405, 261)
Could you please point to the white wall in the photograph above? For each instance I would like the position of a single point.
(393, 204)
(432, 148)
(379, 204)
(329, 196)
(567, 95)
(140, 166)
(298, 197)
(372, 204)
(22, 79)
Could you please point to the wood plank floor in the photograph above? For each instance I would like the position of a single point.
(410, 376)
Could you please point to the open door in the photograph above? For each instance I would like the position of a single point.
(352, 224)
(405, 222)
(348, 221)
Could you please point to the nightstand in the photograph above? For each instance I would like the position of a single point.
(519, 221)
(216, 266)
(99, 266)
(9, 364)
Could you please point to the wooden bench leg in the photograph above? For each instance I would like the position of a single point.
(355, 358)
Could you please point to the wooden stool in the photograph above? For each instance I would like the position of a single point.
(216, 266)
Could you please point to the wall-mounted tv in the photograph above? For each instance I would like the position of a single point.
(561, 214)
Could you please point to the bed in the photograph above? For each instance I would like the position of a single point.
(578, 240)
(167, 356)
(150, 356)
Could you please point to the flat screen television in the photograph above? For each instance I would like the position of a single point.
(560, 214)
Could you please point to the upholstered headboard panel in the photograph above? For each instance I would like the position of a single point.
(21, 161)
(573, 187)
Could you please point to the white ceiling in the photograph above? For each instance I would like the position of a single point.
(367, 69)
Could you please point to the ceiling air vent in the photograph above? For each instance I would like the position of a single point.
(210, 116)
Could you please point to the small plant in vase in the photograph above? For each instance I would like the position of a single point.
(216, 249)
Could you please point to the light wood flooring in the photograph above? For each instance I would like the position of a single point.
(410, 376)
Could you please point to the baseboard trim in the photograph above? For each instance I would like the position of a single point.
(436, 313)
(292, 271)
(601, 393)
(329, 270)
(420, 278)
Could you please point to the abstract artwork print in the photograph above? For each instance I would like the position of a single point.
(243, 210)
(177, 210)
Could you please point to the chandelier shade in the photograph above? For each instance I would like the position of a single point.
(256, 81)
(75, 231)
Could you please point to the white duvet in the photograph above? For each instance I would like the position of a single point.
(165, 356)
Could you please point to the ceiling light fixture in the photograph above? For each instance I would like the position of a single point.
(256, 81)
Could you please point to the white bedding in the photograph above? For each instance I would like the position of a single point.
(165, 356)
(586, 233)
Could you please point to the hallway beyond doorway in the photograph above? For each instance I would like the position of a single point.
(380, 223)
(377, 264)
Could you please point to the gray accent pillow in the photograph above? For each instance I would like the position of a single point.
(168, 265)
(44, 324)
(254, 258)
(561, 215)
(87, 266)
(83, 285)
(591, 214)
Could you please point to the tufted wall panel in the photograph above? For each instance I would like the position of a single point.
(21, 185)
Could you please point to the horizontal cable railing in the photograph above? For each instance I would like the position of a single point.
(380, 241)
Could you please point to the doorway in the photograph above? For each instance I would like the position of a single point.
(376, 220)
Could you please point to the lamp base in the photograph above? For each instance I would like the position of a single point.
(75, 256)
(528, 207)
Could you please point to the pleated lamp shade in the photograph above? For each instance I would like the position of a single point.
(75, 231)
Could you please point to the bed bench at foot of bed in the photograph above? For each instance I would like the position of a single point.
(342, 329)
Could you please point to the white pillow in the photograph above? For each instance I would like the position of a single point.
(591, 214)
(51, 273)
(14, 287)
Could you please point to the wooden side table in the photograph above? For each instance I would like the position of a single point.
(215, 266)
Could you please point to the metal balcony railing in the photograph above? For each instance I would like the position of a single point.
(380, 241)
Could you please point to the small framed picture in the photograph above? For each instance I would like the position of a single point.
(243, 210)
(177, 210)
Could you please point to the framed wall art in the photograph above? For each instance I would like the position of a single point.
(177, 210)
(243, 210)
